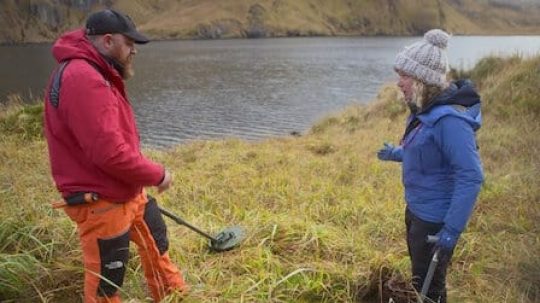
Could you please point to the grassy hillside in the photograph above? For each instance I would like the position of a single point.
(42, 20)
(209, 19)
(324, 216)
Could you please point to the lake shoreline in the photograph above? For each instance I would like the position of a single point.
(161, 39)
(249, 88)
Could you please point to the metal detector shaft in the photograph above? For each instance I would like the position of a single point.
(181, 221)
(431, 269)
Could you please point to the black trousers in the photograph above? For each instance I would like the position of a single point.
(421, 253)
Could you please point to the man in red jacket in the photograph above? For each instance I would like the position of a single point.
(96, 161)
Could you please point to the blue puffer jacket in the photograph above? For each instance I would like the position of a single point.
(442, 172)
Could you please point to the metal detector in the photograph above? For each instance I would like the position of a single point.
(225, 240)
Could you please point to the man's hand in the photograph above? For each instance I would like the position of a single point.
(385, 153)
(166, 183)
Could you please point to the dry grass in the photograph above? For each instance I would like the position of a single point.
(324, 217)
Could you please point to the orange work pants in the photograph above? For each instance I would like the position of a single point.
(105, 230)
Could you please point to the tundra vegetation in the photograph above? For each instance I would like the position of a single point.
(324, 216)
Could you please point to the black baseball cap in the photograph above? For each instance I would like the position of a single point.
(113, 22)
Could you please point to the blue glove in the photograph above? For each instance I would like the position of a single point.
(447, 240)
(386, 153)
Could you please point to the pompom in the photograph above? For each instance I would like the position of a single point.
(437, 37)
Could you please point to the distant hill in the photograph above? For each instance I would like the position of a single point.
(43, 20)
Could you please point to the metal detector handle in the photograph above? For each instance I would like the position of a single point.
(182, 222)
(431, 270)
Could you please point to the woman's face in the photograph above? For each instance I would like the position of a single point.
(406, 85)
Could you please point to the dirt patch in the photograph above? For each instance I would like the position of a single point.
(387, 286)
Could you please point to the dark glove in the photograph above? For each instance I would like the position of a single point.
(386, 153)
(446, 242)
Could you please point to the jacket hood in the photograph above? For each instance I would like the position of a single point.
(75, 45)
(460, 99)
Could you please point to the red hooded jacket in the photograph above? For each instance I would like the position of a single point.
(92, 135)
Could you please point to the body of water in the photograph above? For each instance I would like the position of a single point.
(251, 89)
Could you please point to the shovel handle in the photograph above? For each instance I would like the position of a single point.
(432, 239)
(429, 275)
(431, 269)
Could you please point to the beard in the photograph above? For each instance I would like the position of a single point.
(125, 69)
(129, 71)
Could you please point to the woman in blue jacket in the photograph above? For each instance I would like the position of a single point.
(442, 172)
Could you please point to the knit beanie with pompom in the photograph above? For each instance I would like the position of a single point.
(426, 60)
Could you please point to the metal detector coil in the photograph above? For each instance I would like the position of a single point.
(225, 240)
(228, 239)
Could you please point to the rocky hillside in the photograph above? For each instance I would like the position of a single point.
(43, 20)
